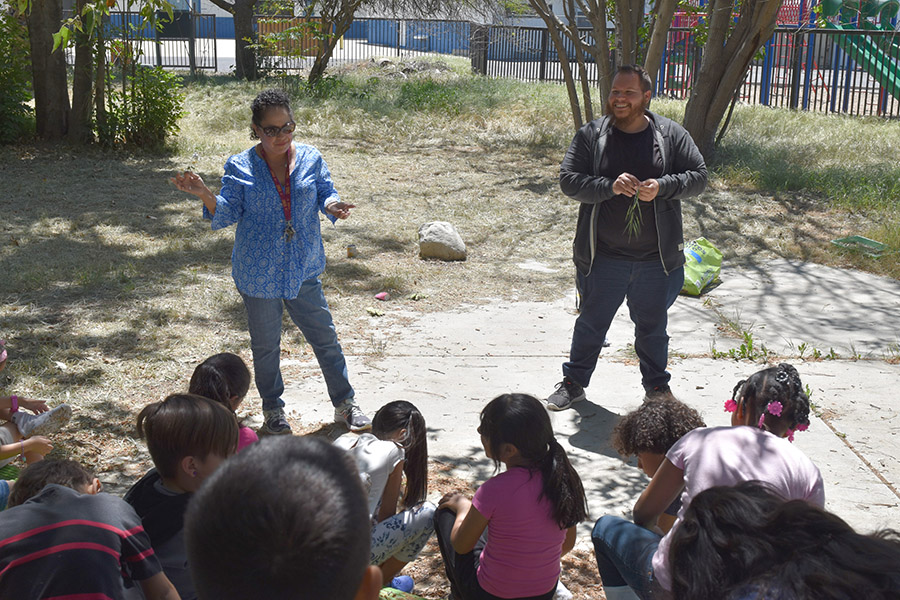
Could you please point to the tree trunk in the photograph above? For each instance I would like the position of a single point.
(724, 66)
(82, 85)
(100, 86)
(244, 37)
(660, 33)
(629, 14)
(335, 24)
(48, 71)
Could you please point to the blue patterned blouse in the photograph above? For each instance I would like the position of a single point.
(264, 264)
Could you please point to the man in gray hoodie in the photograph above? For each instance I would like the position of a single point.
(629, 170)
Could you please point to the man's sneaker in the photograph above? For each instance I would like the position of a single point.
(275, 422)
(352, 416)
(660, 393)
(567, 392)
(44, 423)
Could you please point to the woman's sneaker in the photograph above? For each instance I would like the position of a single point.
(44, 423)
(352, 416)
(404, 583)
(567, 392)
(275, 422)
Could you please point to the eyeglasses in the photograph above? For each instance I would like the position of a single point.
(289, 127)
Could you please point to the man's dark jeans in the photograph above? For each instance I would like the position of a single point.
(649, 292)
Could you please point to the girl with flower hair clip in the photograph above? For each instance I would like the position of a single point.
(633, 557)
(761, 398)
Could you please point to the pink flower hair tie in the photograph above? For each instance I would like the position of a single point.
(730, 405)
(775, 408)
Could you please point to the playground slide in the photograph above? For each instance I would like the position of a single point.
(875, 60)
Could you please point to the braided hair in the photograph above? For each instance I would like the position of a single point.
(774, 399)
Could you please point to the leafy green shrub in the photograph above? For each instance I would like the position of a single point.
(16, 117)
(147, 111)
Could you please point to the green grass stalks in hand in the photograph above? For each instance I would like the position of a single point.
(634, 220)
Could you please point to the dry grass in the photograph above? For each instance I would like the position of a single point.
(112, 288)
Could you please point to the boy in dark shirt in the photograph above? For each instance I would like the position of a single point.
(62, 538)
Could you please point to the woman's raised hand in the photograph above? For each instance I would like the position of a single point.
(341, 210)
(191, 183)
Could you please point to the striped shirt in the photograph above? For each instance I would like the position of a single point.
(65, 545)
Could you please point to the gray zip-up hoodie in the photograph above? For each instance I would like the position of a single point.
(684, 174)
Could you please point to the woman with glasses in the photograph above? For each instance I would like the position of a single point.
(274, 192)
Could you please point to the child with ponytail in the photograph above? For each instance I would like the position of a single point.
(508, 540)
(633, 558)
(397, 447)
(225, 378)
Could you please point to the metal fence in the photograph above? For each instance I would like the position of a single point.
(366, 39)
(850, 72)
(186, 42)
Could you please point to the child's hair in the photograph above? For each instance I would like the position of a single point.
(654, 427)
(774, 396)
(747, 541)
(35, 476)
(521, 420)
(286, 518)
(186, 425)
(403, 415)
(223, 377)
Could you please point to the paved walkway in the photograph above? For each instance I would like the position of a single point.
(450, 364)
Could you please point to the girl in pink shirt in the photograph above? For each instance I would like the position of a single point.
(633, 558)
(507, 541)
(225, 378)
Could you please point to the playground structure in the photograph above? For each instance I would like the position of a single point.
(840, 56)
(879, 56)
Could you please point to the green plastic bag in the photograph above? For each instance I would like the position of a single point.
(703, 263)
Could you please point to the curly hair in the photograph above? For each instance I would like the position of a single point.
(266, 99)
(654, 427)
(780, 383)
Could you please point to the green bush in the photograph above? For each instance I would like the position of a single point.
(147, 111)
(16, 117)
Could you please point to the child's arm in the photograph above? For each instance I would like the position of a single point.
(391, 493)
(469, 524)
(665, 486)
(569, 542)
(38, 444)
(35, 406)
(159, 587)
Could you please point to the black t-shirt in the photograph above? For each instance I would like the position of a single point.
(638, 154)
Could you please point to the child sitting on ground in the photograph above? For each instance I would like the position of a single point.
(648, 433)
(632, 558)
(61, 538)
(285, 519)
(225, 378)
(747, 543)
(188, 437)
(396, 446)
(23, 434)
(508, 540)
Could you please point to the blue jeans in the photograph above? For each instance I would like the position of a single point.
(309, 311)
(649, 292)
(624, 554)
